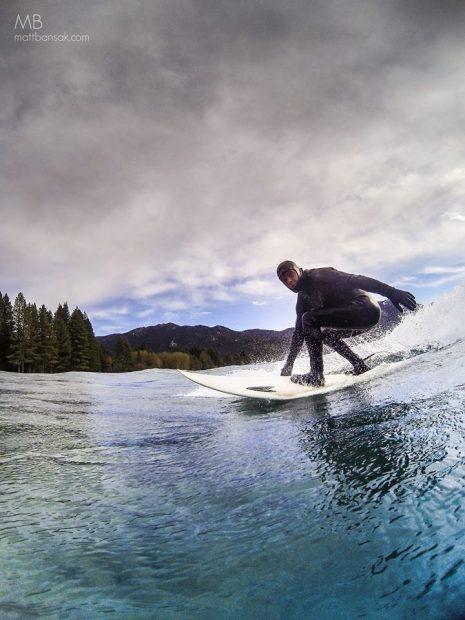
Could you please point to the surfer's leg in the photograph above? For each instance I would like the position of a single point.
(331, 339)
(314, 341)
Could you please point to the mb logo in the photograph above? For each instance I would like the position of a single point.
(33, 22)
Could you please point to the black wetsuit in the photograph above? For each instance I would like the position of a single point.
(332, 305)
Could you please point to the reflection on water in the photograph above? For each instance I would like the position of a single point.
(128, 496)
(390, 481)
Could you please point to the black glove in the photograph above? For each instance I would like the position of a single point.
(287, 370)
(402, 298)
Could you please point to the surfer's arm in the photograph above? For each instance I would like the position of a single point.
(296, 344)
(398, 297)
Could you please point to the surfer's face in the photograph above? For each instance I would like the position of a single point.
(290, 279)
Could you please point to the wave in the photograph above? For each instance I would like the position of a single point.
(435, 325)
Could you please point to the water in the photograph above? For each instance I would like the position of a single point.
(144, 496)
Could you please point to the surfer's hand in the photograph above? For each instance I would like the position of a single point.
(402, 298)
(287, 370)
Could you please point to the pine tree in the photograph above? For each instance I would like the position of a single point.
(122, 360)
(80, 345)
(95, 352)
(32, 338)
(2, 332)
(106, 360)
(62, 337)
(6, 331)
(18, 346)
(48, 345)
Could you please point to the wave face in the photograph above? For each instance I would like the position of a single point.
(141, 495)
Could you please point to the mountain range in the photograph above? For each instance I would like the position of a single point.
(259, 343)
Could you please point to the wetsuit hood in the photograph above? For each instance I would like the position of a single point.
(288, 265)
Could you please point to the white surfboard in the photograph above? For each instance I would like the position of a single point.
(270, 387)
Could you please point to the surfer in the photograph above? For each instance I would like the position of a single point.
(332, 305)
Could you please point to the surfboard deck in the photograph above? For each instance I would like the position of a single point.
(270, 387)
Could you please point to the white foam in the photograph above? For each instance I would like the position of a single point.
(439, 323)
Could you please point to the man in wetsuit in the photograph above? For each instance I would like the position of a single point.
(332, 305)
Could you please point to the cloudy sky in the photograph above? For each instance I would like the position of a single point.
(161, 169)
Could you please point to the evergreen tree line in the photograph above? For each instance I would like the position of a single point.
(36, 340)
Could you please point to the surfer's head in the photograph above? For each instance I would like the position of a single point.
(289, 274)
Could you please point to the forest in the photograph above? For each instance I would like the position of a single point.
(37, 340)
